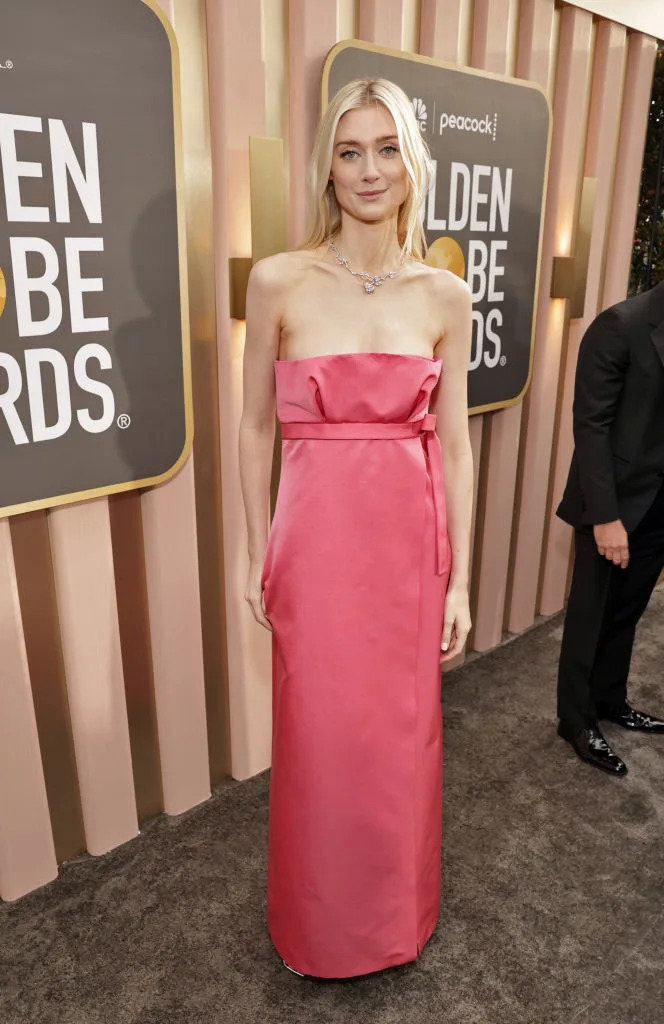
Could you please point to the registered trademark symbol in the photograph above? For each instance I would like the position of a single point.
(503, 360)
(124, 421)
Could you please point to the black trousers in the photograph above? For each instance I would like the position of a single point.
(605, 604)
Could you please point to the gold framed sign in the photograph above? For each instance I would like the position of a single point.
(95, 378)
(489, 138)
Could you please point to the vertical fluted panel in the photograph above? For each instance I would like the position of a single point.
(85, 588)
(41, 626)
(234, 56)
(567, 146)
(27, 856)
(493, 49)
(312, 32)
(440, 29)
(171, 570)
(601, 143)
(381, 21)
(171, 574)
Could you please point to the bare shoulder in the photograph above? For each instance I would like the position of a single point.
(277, 273)
(444, 286)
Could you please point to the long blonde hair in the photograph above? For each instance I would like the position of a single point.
(324, 212)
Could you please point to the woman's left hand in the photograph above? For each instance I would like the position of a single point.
(456, 625)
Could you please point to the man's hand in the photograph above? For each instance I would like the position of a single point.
(612, 542)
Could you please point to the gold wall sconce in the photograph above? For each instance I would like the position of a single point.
(268, 216)
(570, 273)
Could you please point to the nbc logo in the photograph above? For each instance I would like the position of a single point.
(420, 108)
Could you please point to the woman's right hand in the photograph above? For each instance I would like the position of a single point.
(254, 595)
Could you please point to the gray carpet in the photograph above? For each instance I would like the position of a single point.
(552, 888)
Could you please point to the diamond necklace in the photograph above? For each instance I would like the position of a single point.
(369, 281)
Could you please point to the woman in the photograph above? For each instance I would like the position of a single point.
(364, 578)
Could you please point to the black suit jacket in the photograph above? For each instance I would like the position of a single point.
(618, 461)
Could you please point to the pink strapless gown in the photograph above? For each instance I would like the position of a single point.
(354, 580)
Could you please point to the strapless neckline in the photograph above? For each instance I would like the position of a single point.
(339, 355)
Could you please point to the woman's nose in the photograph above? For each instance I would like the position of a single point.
(370, 171)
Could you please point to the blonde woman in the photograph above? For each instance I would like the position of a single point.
(364, 578)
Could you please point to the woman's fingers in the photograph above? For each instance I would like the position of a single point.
(448, 629)
(454, 647)
(257, 606)
(455, 633)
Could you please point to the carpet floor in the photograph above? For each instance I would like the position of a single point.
(552, 888)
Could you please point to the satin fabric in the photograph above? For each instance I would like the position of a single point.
(354, 584)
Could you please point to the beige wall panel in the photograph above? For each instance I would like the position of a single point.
(312, 34)
(535, 57)
(601, 153)
(641, 54)
(27, 854)
(381, 21)
(171, 569)
(134, 621)
(493, 49)
(348, 19)
(567, 147)
(41, 626)
(492, 33)
(237, 71)
(275, 60)
(189, 22)
(440, 26)
(410, 25)
(85, 588)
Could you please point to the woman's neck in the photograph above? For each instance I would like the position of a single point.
(373, 248)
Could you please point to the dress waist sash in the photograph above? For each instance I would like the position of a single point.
(425, 427)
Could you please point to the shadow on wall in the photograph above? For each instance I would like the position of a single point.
(148, 350)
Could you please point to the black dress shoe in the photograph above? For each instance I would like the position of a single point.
(591, 747)
(629, 718)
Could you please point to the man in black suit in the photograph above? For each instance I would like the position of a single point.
(614, 499)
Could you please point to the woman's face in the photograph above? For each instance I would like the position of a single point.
(368, 173)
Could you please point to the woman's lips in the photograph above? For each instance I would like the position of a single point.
(372, 195)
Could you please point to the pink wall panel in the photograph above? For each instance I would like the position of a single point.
(27, 856)
(490, 50)
(312, 32)
(381, 22)
(234, 56)
(171, 568)
(439, 29)
(85, 588)
(491, 24)
(567, 145)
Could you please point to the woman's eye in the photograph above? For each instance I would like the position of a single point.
(389, 150)
(348, 154)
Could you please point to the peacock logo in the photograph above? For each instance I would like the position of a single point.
(420, 109)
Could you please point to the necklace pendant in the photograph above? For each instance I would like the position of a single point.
(369, 287)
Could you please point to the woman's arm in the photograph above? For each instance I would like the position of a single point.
(451, 409)
(257, 424)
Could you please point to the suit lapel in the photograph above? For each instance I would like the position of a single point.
(656, 318)
(657, 335)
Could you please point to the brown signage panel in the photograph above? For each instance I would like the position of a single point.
(95, 389)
